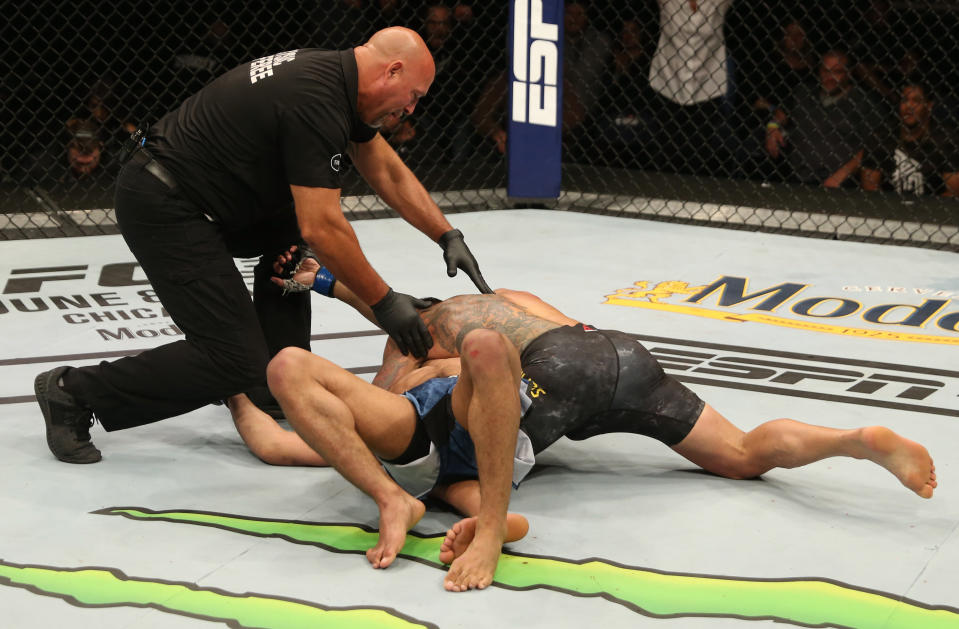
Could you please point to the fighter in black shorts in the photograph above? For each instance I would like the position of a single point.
(593, 382)
(577, 382)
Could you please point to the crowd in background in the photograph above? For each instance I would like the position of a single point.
(855, 94)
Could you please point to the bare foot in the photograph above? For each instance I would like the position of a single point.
(475, 567)
(396, 518)
(458, 538)
(907, 460)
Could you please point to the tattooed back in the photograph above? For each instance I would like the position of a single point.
(449, 321)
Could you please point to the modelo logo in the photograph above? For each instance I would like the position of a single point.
(535, 65)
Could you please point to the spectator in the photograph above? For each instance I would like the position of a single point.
(586, 54)
(463, 14)
(877, 48)
(689, 73)
(338, 24)
(478, 34)
(489, 115)
(443, 115)
(103, 107)
(385, 13)
(400, 133)
(918, 157)
(826, 123)
(444, 112)
(80, 173)
(81, 159)
(437, 28)
(628, 123)
(911, 67)
(791, 62)
(580, 72)
(204, 55)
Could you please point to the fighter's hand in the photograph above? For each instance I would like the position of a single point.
(396, 313)
(294, 273)
(458, 256)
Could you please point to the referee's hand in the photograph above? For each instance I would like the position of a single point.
(397, 314)
(458, 256)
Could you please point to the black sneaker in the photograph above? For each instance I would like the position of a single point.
(68, 423)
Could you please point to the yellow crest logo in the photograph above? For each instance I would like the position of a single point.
(734, 300)
(662, 290)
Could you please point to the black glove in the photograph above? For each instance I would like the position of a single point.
(396, 313)
(457, 255)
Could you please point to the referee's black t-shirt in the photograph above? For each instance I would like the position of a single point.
(237, 145)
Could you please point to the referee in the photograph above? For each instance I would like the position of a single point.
(249, 166)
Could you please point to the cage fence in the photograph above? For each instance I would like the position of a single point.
(825, 119)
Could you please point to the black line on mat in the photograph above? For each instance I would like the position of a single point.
(682, 377)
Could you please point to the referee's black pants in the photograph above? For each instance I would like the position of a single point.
(229, 339)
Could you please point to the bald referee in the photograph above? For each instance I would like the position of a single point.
(246, 167)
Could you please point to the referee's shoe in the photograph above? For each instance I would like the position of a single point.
(68, 423)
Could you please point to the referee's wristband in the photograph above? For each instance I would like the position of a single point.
(323, 284)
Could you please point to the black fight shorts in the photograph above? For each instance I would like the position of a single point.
(587, 382)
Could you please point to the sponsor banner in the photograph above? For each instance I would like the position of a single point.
(862, 382)
(892, 313)
(534, 109)
(88, 304)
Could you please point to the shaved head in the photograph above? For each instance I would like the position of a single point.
(397, 43)
(395, 69)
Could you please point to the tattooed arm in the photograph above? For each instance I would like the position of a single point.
(395, 366)
(400, 373)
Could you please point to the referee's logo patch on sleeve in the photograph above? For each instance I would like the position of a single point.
(335, 162)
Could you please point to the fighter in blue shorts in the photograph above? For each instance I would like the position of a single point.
(576, 382)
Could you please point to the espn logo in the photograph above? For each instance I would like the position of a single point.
(536, 67)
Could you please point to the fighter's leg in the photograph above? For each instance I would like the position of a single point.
(346, 420)
(268, 440)
(718, 446)
(485, 401)
(464, 496)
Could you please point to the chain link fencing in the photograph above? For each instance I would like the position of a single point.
(817, 118)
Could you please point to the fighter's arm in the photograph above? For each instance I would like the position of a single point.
(398, 186)
(399, 373)
(304, 277)
(435, 368)
(268, 440)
